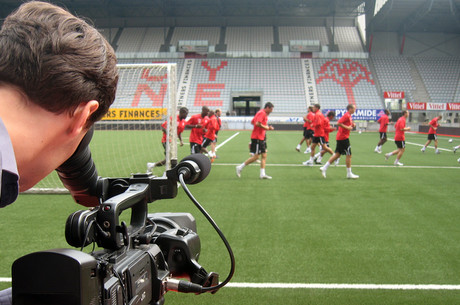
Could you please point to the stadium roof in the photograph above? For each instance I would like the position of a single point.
(393, 15)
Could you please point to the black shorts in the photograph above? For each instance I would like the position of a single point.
(432, 136)
(206, 142)
(305, 132)
(258, 146)
(383, 135)
(309, 133)
(400, 144)
(343, 147)
(195, 148)
(319, 140)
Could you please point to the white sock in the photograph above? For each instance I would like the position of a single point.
(262, 171)
(397, 160)
(242, 165)
(349, 170)
(326, 165)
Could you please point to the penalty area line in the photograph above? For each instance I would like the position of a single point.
(344, 286)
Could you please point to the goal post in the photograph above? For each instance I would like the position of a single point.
(130, 135)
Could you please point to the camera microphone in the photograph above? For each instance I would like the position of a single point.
(194, 168)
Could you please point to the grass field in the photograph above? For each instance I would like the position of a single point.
(392, 226)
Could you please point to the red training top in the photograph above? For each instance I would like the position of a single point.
(258, 133)
(343, 133)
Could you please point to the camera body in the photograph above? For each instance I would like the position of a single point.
(136, 261)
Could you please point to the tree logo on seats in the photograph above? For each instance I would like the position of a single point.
(347, 74)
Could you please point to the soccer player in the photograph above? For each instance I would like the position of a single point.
(183, 112)
(345, 125)
(400, 129)
(307, 130)
(327, 129)
(196, 123)
(318, 136)
(58, 76)
(432, 134)
(258, 140)
(218, 113)
(384, 121)
(212, 127)
(455, 148)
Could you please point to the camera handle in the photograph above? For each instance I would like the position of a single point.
(135, 197)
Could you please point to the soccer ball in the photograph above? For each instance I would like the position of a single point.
(450, 140)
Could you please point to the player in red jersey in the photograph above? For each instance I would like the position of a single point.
(432, 134)
(327, 129)
(196, 123)
(345, 124)
(318, 135)
(400, 138)
(384, 121)
(258, 140)
(307, 130)
(183, 112)
(212, 127)
(218, 113)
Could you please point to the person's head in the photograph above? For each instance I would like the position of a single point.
(439, 116)
(310, 108)
(316, 107)
(218, 112)
(57, 60)
(268, 107)
(405, 113)
(211, 113)
(351, 108)
(183, 112)
(331, 115)
(58, 75)
(387, 112)
(204, 111)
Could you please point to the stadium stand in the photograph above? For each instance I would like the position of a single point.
(280, 78)
(441, 77)
(288, 33)
(249, 39)
(347, 38)
(393, 73)
(211, 34)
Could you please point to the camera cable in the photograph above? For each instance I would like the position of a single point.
(185, 286)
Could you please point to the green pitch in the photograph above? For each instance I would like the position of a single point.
(392, 226)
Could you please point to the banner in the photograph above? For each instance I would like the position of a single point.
(416, 106)
(184, 82)
(309, 82)
(359, 115)
(397, 95)
(453, 106)
(436, 106)
(135, 114)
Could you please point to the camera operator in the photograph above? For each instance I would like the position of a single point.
(58, 76)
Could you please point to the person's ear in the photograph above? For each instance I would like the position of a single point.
(81, 115)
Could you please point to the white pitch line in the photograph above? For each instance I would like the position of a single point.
(223, 143)
(344, 286)
(329, 286)
(421, 145)
(390, 165)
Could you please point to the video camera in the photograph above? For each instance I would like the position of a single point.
(140, 261)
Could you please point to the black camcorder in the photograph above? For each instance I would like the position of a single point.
(137, 262)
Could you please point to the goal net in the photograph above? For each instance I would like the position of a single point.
(130, 135)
